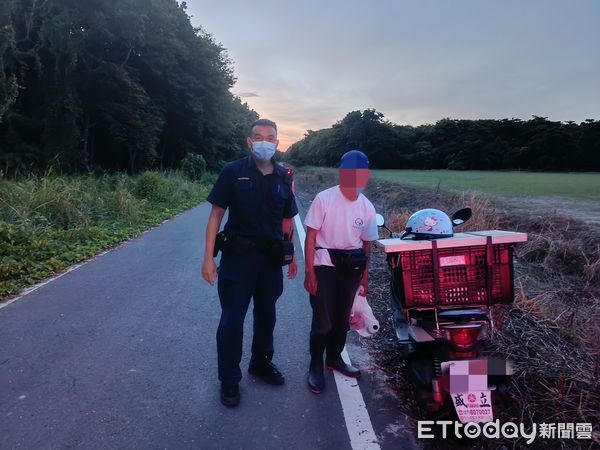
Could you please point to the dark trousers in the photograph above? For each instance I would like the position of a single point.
(332, 306)
(241, 278)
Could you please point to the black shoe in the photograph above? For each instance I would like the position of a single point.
(267, 372)
(316, 378)
(230, 394)
(343, 368)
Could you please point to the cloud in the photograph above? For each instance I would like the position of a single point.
(248, 94)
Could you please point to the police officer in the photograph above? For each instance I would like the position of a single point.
(258, 193)
(340, 227)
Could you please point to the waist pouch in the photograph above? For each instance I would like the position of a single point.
(353, 261)
(282, 252)
(220, 243)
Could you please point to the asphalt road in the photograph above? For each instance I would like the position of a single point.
(121, 353)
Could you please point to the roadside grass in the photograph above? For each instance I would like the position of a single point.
(585, 186)
(48, 224)
(552, 330)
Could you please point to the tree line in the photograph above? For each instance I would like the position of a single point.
(536, 144)
(113, 85)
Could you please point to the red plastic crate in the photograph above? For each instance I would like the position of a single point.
(463, 273)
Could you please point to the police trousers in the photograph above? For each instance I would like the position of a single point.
(243, 277)
(331, 307)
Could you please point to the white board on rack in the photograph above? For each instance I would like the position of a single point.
(458, 240)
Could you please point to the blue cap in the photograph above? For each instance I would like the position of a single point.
(354, 159)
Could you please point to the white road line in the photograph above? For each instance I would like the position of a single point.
(358, 422)
(300, 231)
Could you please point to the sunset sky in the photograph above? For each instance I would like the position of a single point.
(306, 64)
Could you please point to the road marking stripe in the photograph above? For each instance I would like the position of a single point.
(300, 231)
(356, 416)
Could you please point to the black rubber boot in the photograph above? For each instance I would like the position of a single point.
(335, 346)
(316, 377)
(346, 369)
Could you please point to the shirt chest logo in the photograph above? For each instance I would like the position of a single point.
(358, 223)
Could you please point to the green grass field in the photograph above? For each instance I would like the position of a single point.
(536, 184)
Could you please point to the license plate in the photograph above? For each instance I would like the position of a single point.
(471, 398)
(473, 406)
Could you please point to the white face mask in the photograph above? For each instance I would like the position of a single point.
(263, 150)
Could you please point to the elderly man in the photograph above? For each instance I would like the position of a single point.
(340, 227)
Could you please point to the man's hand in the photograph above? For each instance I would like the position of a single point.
(364, 283)
(310, 282)
(209, 270)
(292, 269)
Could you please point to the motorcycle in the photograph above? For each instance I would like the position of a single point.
(445, 286)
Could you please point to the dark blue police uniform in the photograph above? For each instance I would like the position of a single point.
(257, 205)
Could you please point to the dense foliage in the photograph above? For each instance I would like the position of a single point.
(53, 222)
(536, 144)
(112, 85)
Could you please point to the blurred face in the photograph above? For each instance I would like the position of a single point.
(354, 178)
(353, 182)
(262, 133)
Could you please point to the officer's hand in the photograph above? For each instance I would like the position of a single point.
(292, 269)
(209, 270)
(310, 282)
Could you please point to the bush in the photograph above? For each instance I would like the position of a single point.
(217, 165)
(126, 206)
(47, 200)
(209, 178)
(193, 165)
(148, 186)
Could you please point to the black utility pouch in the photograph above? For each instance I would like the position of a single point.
(282, 252)
(232, 243)
(352, 261)
(219, 243)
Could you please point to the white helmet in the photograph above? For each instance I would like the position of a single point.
(429, 224)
